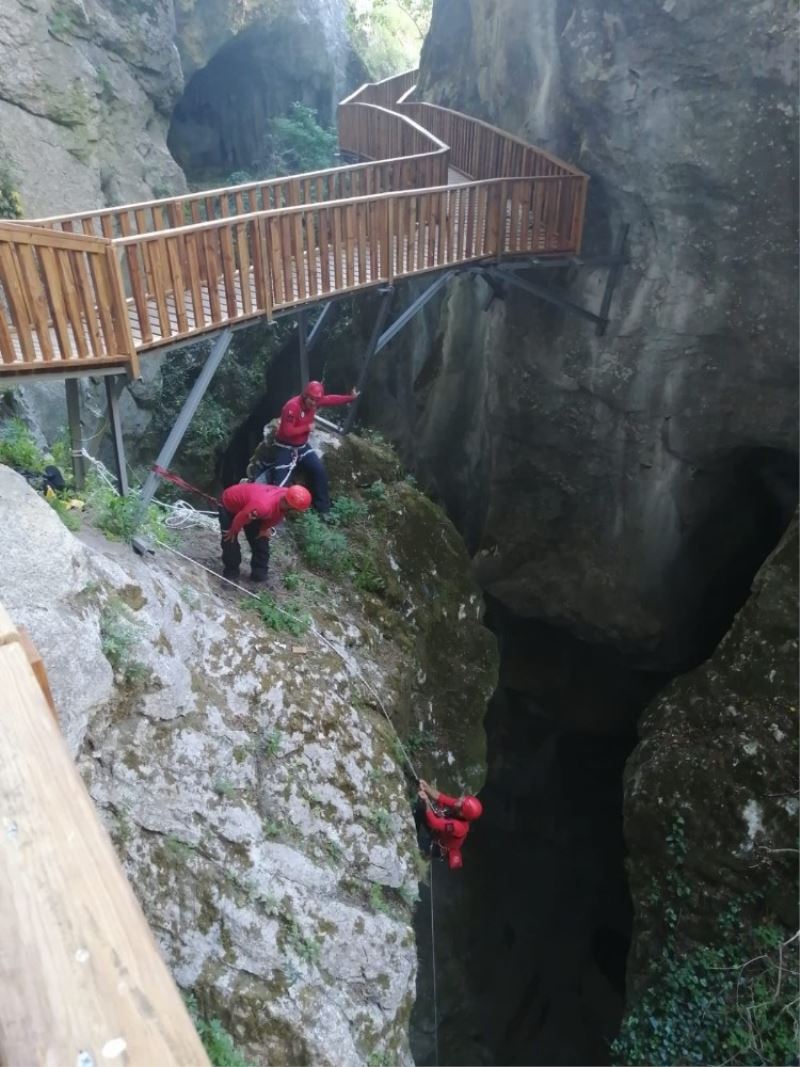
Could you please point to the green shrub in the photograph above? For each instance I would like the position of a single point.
(733, 1001)
(18, 447)
(224, 788)
(717, 1005)
(216, 1040)
(122, 517)
(322, 546)
(10, 202)
(291, 581)
(287, 617)
(368, 577)
(299, 143)
(376, 491)
(307, 948)
(377, 900)
(346, 511)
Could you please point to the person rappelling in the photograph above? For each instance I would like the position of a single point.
(292, 450)
(447, 819)
(256, 509)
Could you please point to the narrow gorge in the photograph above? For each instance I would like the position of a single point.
(565, 568)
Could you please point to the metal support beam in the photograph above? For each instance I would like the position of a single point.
(372, 348)
(302, 341)
(542, 291)
(414, 307)
(190, 405)
(72, 387)
(618, 256)
(319, 325)
(114, 387)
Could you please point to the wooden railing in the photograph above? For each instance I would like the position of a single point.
(367, 130)
(483, 151)
(83, 979)
(192, 279)
(61, 301)
(142, 276)
(334, 183)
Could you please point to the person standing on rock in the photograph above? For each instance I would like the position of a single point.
(256, 509)
(447, 819)
(292, 450)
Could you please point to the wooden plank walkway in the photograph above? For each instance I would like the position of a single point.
(143, 277)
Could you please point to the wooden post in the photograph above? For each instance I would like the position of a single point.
(72, 387)
(114, 386)
(83, 980)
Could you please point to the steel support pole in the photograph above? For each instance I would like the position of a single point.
(618, 257)
(72, 386)
(372, 347)
(546, 294)
(190, 406)
(114, 386)
(413, 309)
(302, 339)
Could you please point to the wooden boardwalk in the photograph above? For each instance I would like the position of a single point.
(94, 290)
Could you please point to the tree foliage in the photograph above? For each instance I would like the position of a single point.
(388, 34)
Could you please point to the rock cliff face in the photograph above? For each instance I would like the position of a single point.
(594, 475)
(88, 87)
(248, 778)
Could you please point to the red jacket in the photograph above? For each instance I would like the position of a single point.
(450, 832)
(244, 499)
(297, 421)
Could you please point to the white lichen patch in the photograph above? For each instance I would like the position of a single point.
(753, 816)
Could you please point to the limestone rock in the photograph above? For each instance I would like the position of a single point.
(711, 790)
(249, 778)
(590, 473)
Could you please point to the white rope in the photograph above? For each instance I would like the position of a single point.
(433, 969)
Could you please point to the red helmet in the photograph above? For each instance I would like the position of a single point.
(470, 809)
(299, 499)
(315, 390)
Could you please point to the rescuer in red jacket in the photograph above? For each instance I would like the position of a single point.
(292, 450)
(448, 820)
(256, 509)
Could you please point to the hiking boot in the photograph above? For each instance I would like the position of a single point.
(231, 573)
(258, 576)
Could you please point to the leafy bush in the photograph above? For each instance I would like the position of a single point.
(381, 822)
(122, 517)
(368, 577)
(376, 491)
(10, 202)
(734, 1001)
(346, 511)
(217, 1042)
(18, 448)
(307, 948)
(287, 617)
(321, 545)
(299, 143)
(716, 1005)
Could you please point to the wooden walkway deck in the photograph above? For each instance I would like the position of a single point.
(94, 290)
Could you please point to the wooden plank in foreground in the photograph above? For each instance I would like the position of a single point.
(79, 967)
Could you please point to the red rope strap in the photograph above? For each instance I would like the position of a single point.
(168, 476)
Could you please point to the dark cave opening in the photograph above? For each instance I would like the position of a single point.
(220, 125)
(533, 933)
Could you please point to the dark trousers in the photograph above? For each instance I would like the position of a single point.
(424, 835)
(232, 553)
(309, 462)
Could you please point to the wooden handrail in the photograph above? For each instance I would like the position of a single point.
(61, 301)
(83, 979)
(183, 266)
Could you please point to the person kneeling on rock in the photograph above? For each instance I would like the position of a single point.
(292, 450)
(447, 819)
(257, 509)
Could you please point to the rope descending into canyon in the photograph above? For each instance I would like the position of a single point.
(352, 668)
(433, 972)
